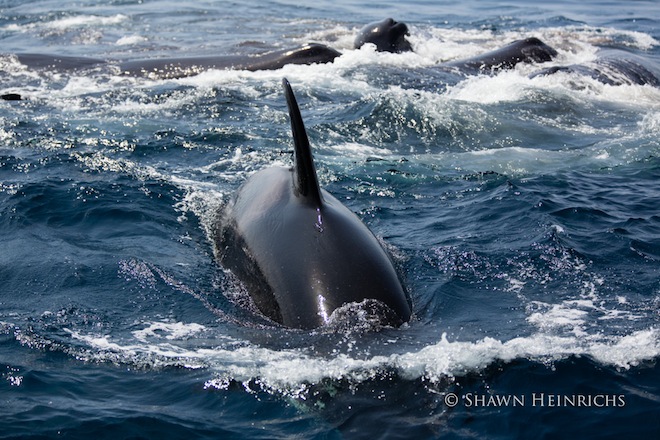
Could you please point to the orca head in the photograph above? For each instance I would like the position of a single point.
(388, 36)
(537, 51)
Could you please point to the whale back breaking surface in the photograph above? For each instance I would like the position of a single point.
(613, 68)
(168, 68)
(301, 253)
(528, 50)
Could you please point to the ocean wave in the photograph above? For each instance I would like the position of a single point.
(291, 371)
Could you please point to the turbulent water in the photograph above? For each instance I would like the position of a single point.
(522, 212)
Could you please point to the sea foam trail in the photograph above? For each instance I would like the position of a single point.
(155, 346)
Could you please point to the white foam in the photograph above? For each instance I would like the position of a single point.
(71, 22)
(354, 150)
(6, 136)
(599, 36)
(291, 371)
(553, 316)
(507, 86)
(169, 331)
(650, 123)
(628, 351)
(515, 85)
(130, 40)
(368, 55)
(86, 21)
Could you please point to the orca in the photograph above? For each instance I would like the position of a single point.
(528, 50)
(387, 35)
(166, 68)
(300, 252)
(59, 63)
(611, 69)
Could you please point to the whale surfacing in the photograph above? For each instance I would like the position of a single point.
(299, 251)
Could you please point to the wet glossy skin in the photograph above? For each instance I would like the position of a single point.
(387, 35)
(300, 252)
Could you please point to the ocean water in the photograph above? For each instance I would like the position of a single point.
(522, 212)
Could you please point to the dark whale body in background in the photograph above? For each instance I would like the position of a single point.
(180, 67)
(612, 68)
(300, 252)
(529, 50)
(186, 66)
(387, 35)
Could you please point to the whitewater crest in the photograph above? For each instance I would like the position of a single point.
(292, 371)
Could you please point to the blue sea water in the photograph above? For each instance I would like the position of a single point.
(523, 213)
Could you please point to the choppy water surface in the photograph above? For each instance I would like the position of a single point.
(522, 212)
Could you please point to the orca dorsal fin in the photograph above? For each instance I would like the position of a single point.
(305, 180)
